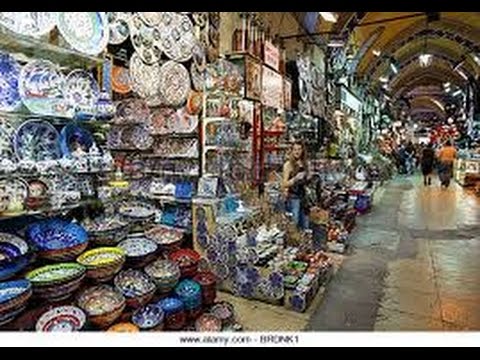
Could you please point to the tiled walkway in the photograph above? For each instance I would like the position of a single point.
(414, 265)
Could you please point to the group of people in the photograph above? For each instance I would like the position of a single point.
(442, 160)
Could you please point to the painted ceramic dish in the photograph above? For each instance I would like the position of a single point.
(82, 93)
(11, 290)
(103, 305)
(208, 323)
(177, 38)
(118, 23)
(29, 23)
(174, 83)
(86, 32)
(138, 246)
(107, 231)
(121, 82)
(58, 273)
(124, 328)
(75, 139)
(136, 211)
(6, 148)
(9, 75)
(151, 18)
(11, 247)
(135, 284)
(37, 141)
(133, 111)
(145, 40)
(42, 89)
(61, 319)
(146, 79)
(101, 257)
(165, 274)
(149, 317)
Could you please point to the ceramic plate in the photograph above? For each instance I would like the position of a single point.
(55, 273)
(145, 39)
(151, 18)
(37, 141)
(118, 23)
(87, 32)
(177, 38)
(6, 148)
(42, 87)
(9, 76)
(75, 139)
(82, 91)
(29, 23)
(133, 110)
(17, 189)
(146, 79)
(100, 300)
(61, 319)
(174, 83)
(101, 256)
(121, 82)
(140, 246)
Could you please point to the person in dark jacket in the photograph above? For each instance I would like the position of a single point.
(428, 162)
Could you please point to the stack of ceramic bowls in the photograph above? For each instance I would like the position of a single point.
(137, 287)
(165, 273)
(208, 323)
(102, 263)
(225, 312)
(14, 296)
(124, 328)
(58, 240)
(107, 231)
(190, 293)
(174, 310)
(56, 282)
(149, 318)
(168, 240)
(139, 251)
(187, 261)
(14, 255)
(62, 319)
(208, 282)
(102, 304)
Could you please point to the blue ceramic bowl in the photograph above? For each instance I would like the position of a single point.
(171, 305)
(13, 289)
(56, 235)
(11, 248)
(11, 268)
(149, 317)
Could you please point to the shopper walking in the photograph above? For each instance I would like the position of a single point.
(427, 161)
(295, 176)
(446, 158)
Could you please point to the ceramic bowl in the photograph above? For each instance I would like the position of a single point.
(55, 274)
(102, 263)
(225, 312)
(208, 323)
(137, 287)
(14, 294)
(169, 240)
(139, 251)
(187, 261)
(165, 273)
(102, 304)
(124, 328)
(150, 317)
(61, 319)
(58, 240)
(175, 316)
(190, 293)
(107, 231)
(11, 248)
(208, 282)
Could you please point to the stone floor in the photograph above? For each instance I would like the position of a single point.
(414, 265)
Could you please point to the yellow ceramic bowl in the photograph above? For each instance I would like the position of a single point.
(101, 257)
(124, 328)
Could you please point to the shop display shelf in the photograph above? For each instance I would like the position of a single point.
(220, 148)
(169, 199)
(169, 157)
(177, 135)
(25, 48)
(171, 173)
(207, 120)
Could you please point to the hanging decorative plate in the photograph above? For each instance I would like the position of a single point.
(146, 79)
(42, 89)
(75, 140)
(200, 18)
(37, 141)
(121, 82)
(177, 37)
(145, 39)
(61, 319)
(162, 120)
(29, 23)
(9, 75)
(87, 32)
(82, 92)
(133, 111)
(151, 18)
(174, 83)
(118, 23)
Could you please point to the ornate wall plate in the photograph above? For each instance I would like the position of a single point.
(146, 79)
(37, 141)
(121, 82)
(162, 120)
(151, 18)
(118, 23)
(42, 89)
(177, 38)
(9, 76)
(133, 111)
(82, 91)
(72, 136)
(174, 83)
(87, 32)
(145, 39)
(29, 23)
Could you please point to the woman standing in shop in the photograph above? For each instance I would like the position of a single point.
(295, 175)
(446, 158)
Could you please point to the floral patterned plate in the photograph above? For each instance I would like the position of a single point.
(145, 39)
(118, 23)
(9, 75)
(61, 319)
(37, 141)
(82, 92)
(146, 79)
(29, 23)
(174, 83)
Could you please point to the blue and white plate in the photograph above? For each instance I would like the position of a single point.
(118, 22)
(42, 87)
(73, 133)
(87, 32)
(138, 246)
(29, 23)
(37, 141)
(9, 74)
(82, 93)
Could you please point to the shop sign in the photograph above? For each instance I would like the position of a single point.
(272, 89)
(271, 55)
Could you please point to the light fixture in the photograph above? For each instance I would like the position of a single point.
(377, 53)
(425, 59)
(393, 66)
(383, 79)
(336, 43)
(462, 74)
(329, 16)
(476, 58)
